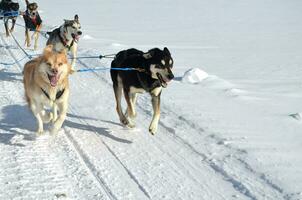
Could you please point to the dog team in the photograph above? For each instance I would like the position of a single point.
(46, 79)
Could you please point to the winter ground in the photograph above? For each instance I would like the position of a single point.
(230, 136)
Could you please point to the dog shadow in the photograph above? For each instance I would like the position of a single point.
(17, 120)
(99, 130)
(9, 76)
(94, 119)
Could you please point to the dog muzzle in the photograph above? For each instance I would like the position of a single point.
(163, 81)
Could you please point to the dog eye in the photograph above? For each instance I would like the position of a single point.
(60, 64)
(74, 27)
(49, 64)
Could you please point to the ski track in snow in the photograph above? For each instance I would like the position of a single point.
(85, 161)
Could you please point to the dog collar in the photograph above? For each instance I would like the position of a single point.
(65, 41)
(58, 94)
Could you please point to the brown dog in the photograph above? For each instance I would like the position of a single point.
(46, 84)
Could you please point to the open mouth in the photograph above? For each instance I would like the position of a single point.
(163, 82)
(76, 37)
(53, 79)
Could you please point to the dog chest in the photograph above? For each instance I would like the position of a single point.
(156, 91)
(136, 90)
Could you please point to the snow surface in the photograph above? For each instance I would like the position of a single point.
(232, 136)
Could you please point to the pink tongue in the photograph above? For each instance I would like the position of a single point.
(54, 80)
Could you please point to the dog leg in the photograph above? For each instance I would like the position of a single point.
(13, 25)
(27, 38)
(36, 110)
(61, 118)
(6, 27)
(117, 88)
(54, 113)
(36, 36)
(130, 110)
(133, 98)
(74, 56)
(156, 114)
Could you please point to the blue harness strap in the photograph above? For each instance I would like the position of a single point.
(108, 68)
(9, 13)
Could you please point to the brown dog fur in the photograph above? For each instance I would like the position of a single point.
(49, 72)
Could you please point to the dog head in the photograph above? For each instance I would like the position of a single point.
(54, 66)
(73, 27)
(32, 9)
(161, 64)
(9, 5)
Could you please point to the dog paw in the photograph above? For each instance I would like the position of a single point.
(131, 125)
(153, 129)
(39, 132)
(127, 122)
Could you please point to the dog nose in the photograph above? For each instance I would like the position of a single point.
(170, 76)
(55, 71)
(79, 32)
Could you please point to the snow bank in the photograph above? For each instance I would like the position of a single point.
(87, 37)
(194, 76)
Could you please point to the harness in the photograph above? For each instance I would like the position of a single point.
(65, 41)
(58, 94)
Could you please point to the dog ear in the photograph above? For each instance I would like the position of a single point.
(147, 55)
(48, 49)
(67, 22)
(76, 18)
(166, 51)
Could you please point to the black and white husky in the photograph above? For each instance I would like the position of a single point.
(153, 72)
(66, 37)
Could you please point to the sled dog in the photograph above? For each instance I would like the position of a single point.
(9, 11)
(67, 37)
(153, 72)
(33, 22)
(46, 85)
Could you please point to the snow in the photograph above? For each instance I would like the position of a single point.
(194, 75)
(234, 135)
(87, 37)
